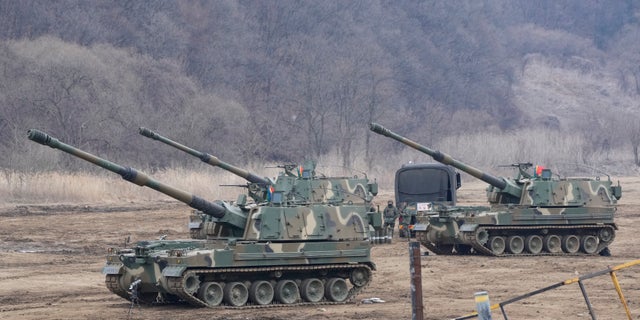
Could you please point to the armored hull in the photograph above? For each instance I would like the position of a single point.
(216, 273)
(515, 231)
(330, 263)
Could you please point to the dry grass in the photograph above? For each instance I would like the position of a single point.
(488, 151)
(22, 187)
(484, 151)
(57, 187)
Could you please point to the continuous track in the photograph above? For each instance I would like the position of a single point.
(482, 249)
(176, 284)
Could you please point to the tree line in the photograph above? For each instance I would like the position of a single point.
(279, 81)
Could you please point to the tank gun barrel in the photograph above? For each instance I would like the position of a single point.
(205, 157)
(131, 175)
(441, 157)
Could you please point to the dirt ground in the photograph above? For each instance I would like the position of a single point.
(51, 258)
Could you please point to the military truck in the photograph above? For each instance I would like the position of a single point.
(419, 184)
(296, 248)
(532, 213)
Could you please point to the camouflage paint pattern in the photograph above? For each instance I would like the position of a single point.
(297, 186)
(154, 261)
(307, 231)
(529, 214)
(293, 200)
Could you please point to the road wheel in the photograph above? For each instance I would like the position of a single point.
(533, 244)
(359, 277)
(191, 283)
(605, 234)
(496, 245)
(287, 291)
(515, 244)
(336, 289)
(570, 243)
(211, 293)
(261, 292)
(312, 290)
(552, 243)
(589, 244)
(236, 294)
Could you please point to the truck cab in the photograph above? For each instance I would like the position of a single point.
(423, 183)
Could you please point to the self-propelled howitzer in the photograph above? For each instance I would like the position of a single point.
(316, 254)
(297, 185)
(529, 214)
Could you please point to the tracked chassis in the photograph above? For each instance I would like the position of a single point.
(555, 240)
(151, 276)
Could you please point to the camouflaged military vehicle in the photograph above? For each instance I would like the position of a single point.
(529, 214)
(298, 247)
(303, 186)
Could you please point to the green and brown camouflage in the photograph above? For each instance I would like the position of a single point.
(302, 195)
(529, 214)
(297, 185)
(306, 187)
(292, 249)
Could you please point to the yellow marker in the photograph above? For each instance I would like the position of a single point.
(482, 305)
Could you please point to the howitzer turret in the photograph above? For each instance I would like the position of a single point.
(530, 214)
(296, 186)
(216, 210)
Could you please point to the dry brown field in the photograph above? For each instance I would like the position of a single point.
(51, 257)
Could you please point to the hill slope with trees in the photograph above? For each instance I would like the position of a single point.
(278, 81)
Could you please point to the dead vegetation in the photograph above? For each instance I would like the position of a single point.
(51, 256)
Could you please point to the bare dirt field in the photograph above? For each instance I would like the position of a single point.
(51, 257)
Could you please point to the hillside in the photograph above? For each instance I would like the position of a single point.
(280, 81)
(572, 95)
